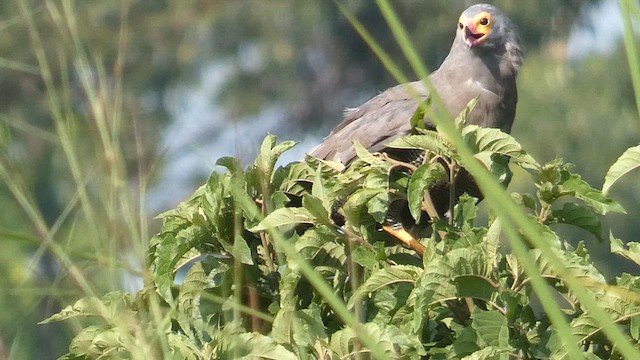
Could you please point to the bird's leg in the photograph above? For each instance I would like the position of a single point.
(405, 237)
(398, 163)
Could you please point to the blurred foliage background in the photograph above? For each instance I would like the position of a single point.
(94, 98)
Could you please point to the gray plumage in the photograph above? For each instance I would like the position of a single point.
(483, 62)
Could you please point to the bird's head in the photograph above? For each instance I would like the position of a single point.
(485, 26)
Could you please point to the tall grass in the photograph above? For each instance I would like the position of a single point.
(100, 235)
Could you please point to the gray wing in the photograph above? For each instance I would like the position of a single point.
(375, 123)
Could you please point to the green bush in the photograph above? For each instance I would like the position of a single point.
(253, 265)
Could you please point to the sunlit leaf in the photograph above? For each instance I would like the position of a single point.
(628, 161)
(110, 306)
(592, 197)
(284, 216)
(428, 140)
(494, 141)
(631, 251)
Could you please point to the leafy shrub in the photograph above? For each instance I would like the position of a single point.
(289, 262)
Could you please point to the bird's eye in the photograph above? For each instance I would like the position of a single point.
(460, 25)
(484, 21)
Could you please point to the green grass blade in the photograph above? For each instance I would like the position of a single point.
(630, 11)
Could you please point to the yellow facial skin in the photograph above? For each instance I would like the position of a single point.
(476, 30)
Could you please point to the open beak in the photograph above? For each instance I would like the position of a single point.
(472, 38)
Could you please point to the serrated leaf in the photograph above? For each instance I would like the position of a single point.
(192, 285)
(494, 141)
(579, 216)
(575, 265)
(95, 342)
(628, 161)
(284, 216)
(428, 140)
(393, 341)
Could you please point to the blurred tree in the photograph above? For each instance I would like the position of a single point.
(309, 57)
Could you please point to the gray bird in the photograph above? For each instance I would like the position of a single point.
(483, 63)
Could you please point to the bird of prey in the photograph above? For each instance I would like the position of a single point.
(482, 64)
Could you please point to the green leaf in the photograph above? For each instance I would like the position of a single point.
(361, 198)
(491, 327)
(194, 283)
(461, 119)
(269, 154)
(627, 162)
(492, 242)
(95, 342)
(364, 257)
(465, 344)
(526, 200)
(242, 199)
(110, 306)
(474, 286)
(428, 140)
(239, 249)
(421, 179)
(365, 155)
(299, 328)
(592, 197)
(316, 208)
(631, 252)
(385, 277)
(247, 346)
(284, 216)
(395, 343)
(575, 264)
(579, 216)
(233, 164)
(319, 188)
(494, 141)
(417, 119)
(488, 353)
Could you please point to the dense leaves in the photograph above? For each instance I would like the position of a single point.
(220, 265)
